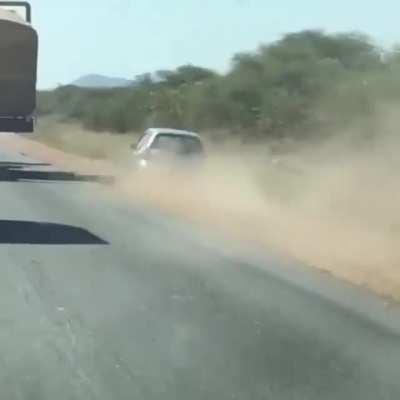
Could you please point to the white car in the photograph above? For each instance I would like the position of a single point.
(163, 146)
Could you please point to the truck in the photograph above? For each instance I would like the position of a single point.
(18, 67)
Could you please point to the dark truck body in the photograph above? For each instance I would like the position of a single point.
(18, 69)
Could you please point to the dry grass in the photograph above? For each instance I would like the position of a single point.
(72, 138)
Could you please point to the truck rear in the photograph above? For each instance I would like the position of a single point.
(18, 68)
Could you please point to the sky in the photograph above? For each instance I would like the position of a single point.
(124, 38)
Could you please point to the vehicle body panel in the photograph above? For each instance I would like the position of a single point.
(18, 70)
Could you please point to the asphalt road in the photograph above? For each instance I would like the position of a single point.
(102, 300)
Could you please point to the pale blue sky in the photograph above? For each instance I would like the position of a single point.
(128, 37)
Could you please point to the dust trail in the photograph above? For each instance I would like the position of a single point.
(334, 205)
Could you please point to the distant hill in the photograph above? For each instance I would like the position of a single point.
(101, 81)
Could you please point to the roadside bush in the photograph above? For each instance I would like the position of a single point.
(304, 82)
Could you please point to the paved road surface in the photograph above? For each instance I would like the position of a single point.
(99, 300)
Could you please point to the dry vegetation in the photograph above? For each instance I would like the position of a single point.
(72, 138)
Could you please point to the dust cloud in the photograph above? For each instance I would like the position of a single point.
(332, 204)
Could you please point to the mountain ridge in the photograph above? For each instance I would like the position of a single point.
(101, 81)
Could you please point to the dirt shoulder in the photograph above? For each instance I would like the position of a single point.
(58, 158)
(337, 214)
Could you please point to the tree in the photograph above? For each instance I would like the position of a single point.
(143, 80)
(185, 75)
